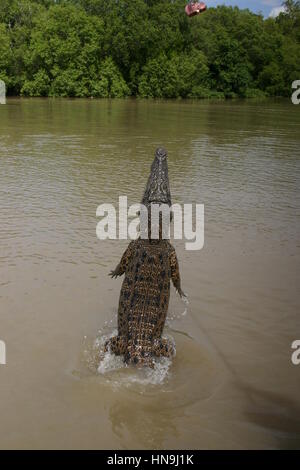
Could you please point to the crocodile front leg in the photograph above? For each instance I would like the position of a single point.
(122, 266)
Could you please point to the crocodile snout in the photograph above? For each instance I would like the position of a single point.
(161, 153)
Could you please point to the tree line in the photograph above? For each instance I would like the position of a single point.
(150, 49)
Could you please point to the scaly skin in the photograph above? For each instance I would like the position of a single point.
(148, 265)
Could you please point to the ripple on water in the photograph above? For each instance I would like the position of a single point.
(192, 375)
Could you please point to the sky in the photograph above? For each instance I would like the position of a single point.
(266, 7)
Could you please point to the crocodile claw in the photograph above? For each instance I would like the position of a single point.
(113, 274)
(181, 293)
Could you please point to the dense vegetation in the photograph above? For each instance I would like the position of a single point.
(146, 48)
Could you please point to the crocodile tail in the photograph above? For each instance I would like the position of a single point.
(139, 359)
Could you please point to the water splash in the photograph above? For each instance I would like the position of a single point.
(175, 316)
(112, 368)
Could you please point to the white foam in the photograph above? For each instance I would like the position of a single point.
(175, 316)
(110, 364)
(112, 367)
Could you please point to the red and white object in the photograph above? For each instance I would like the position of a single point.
(195, 8)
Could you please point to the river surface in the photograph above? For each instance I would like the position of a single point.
(232, 383)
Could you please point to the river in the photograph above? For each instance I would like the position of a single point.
(232, 383)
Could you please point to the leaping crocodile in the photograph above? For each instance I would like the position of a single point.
(148, 265)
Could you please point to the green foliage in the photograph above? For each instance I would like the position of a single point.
(38, 86)
(5, 54)
(254, 93)
(147, 48)
(110, 83)
(289, 20)
(183, 75)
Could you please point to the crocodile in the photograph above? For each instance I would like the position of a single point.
(148, 264)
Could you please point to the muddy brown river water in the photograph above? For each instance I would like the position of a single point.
(232, 383)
